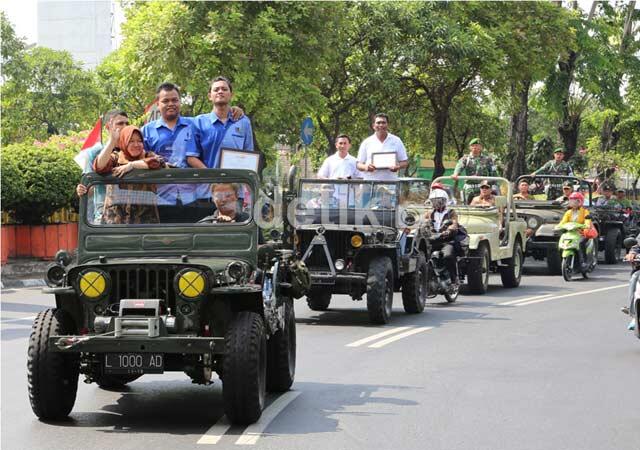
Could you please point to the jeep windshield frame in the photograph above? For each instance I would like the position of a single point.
(546, 188)
(170, 240)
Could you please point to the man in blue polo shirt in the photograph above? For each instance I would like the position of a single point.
(172, 137)
(218, 129)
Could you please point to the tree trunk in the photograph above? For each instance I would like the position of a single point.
(516, 165)
(441, 123)
(329, 136)
(608, 135)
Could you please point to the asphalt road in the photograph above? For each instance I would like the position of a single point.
(549, 365)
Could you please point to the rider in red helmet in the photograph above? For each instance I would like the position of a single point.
(577, 213)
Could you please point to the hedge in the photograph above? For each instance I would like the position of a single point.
(39, 178)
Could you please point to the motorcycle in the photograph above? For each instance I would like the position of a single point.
(439, 278)
(569, 244)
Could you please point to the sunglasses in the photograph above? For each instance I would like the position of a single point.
(485, 187)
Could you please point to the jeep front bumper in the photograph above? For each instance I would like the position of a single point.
(136, 344)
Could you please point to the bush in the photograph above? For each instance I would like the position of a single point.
(39, 178)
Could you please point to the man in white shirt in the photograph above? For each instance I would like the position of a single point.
(340, 165)
(381, 142)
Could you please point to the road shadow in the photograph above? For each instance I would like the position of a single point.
(180, 408)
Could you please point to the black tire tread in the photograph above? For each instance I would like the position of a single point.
(52, 377)
(611, 247)
(280, 374)
(554, 262)
(377, 279)
(244, 342)
(475, 277)
(507, 274)
(410, 282)
(318, 300)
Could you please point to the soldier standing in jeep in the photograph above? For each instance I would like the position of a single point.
(472, 165)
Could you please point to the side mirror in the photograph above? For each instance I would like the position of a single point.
(629, 242)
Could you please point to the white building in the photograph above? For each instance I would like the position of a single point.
(86, 29)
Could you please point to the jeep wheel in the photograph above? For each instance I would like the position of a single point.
(554, 262)
(612, 246)
(512, 274)
(380, 290)
(244, 370)
(318, 300)
(414, 287)
(115, 381)
(281, 352)
(478, 274)
(52, 376)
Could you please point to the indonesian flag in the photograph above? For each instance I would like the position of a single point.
(94, 137)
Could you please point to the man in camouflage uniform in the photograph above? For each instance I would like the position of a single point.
(557, 166)
(474, 164)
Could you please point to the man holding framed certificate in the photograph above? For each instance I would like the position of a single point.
(382, 154)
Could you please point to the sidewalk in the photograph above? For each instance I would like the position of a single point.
(23, 272)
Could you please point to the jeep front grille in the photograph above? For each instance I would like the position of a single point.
(141, 283)
(338, 242)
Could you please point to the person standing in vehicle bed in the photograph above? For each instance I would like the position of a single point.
(381, 141)
(557, 166)
(475, 164)
(114, 119)
(340, 165)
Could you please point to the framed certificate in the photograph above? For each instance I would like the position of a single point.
(239, 159)
(384, 160)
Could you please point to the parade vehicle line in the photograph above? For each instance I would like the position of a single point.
(548, 297)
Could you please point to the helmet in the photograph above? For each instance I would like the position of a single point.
(437, 185)
(439, 198)
(576, 199)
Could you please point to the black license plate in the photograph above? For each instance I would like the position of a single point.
(133, 363)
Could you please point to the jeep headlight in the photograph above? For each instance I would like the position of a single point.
(533, 222)
(190, 284)
(356, 241)
(93, 283)
(237, 271)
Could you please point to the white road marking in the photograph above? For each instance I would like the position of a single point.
(377, 336)
(215, 433)
(574, 294)
(513, 302)
(17, 319)
(397, 337)
(254, 431)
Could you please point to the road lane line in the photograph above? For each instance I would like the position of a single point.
(513, 302)
(377, 336)
(215, 433)
(397, 337)
(574, 294)
(17, 319)
(254, 431)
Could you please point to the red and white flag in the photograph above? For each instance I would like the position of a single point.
(94, 137)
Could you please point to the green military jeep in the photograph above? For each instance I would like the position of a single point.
(160, 285)
(359, 237)
(497, 239)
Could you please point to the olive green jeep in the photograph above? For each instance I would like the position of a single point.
(497, 236)
(170, 276)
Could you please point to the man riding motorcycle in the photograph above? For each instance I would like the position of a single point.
(444, 220)
(577, 213)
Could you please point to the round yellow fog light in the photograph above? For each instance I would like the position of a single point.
(92, 283)
(356, 241)
(191, 284)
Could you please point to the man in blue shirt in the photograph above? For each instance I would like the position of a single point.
(218, 129)
(172, 136)
(114, 119)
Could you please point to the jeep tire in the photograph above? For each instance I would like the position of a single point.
(52, 376)
(380, 290)
(478, 273)
(414, 287)
(512, 273)
(554, 262)
(612, 246)
(281, 353)
(244, 370)
(318, 299)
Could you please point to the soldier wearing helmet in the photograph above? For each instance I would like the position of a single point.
(577, 213)
(445, 221)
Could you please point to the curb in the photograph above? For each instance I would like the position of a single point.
(30, 282)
